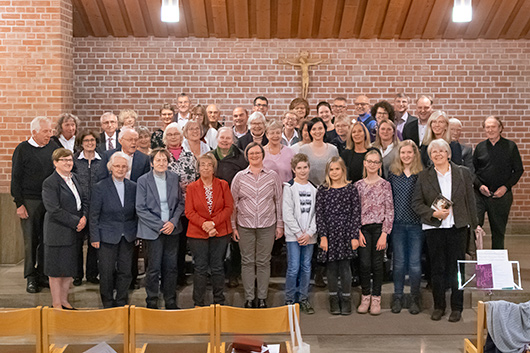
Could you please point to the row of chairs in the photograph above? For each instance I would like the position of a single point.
(49, 326)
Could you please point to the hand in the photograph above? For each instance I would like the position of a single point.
(303, 239)
(95, 244)
(485, 191)
(208, 226)
(167, 228)
(500, 192)
(22, 213)
(324, 243)
(440, 214)
(381, 242)
(362, 239)
(354, 244)
(235, 235)
(279, 233)
(81, 224)
(212, 233)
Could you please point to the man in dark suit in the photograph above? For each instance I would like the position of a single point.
(108, 139)
(401, 107)
(415, 128)
(128, 139)
(32, 164)
(113, 226)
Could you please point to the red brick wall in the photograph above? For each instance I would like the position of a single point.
(36, 69)
(468, 79)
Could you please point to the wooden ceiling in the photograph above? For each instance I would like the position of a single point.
(366, 19)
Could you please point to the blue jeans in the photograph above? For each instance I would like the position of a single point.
(298, 262)
(407, 241)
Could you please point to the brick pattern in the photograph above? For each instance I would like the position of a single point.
(468, 79)
(36, 69)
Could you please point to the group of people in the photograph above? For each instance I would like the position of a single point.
(351, 183)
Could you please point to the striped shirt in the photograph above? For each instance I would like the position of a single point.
(257, 200)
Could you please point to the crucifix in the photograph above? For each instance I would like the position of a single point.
(304, 62)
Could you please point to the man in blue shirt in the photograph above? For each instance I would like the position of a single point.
(362, 109)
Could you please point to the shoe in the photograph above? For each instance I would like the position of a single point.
(319, 280)
(397, 304)
(306, 307)
(334, 305)
(345, 305)
(44, 282)
(262, 303)
(437, 314)
(172, 306)
(455, 316)
(289, 302)
(375, 307)
(93, 280)
(233, 282)
(249, 304)
(152, 306)
(78, 281)
(67, 308)
(365, 304)
(32, 287)
(415, 306)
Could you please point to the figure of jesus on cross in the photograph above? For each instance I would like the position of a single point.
(304, 62)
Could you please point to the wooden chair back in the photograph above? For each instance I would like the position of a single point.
(482, 329)
(22, 322)
(74, 323)
(252, 321)
(196, 321)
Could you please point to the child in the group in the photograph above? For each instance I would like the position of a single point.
(377, 216)
(338, 217)
(407, 236)
(300, 232)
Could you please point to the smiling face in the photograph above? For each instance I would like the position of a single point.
(261, 106)
(406, 154)
(493, 129)
(341, 127)
(119, 168)
(42, 137)
(335, 172)
(439, 127)
(290, 121)
(183, 105)
(439, 157)
(64, 165)
(213, 114)
(206, 169)
(324, 113)
(362, 105)
(357, 135)
(372, 163)
(225, 139)
(89, 143)
(257, 127)
(300, 111)
(255, 156)
(173, 138)
(193, 131)
(318, 131)
(69, 128)
(423, 109)
(144, 141)
(401, 105)
(302, 170)
(381, 114)
(386, 133)
(339, 107)
(274, 136)
(240, 117)
(166, 116)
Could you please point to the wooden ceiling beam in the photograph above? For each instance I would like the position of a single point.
(81, 26)
(436, 19)
(305, 21)
(263, 19)
(159, 28)
(241, 18)
(519, 23)
(95, 18)
(480, 14)
(375, 10)
(503, 13)
(198, 16)
(412, 22)
(349, 17)
(396, 9)
(285, 14)
(136, 18)
(117, 24)
(220, 18)
(327, 19)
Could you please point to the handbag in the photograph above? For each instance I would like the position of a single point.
(294, 326)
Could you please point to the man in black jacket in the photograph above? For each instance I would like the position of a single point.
(32, 164)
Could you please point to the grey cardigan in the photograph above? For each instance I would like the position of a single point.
(291, 213)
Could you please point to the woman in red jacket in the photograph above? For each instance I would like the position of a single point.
(209, 206)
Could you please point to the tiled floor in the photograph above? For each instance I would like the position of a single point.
(325, 333)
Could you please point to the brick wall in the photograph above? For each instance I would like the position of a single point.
(36, 69)
(468, 79)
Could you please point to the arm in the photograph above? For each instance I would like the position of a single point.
(17, 179)
(175, 217)
(52, 202)
(517, 167)
(320, 214)
(418, 203)
(190, 207)
(278, 203)
(389, 208)
(228, 208)
(144, 213)
(235, 197)
(96, 204)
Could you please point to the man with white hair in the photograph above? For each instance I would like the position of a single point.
(108, 139)
(256, 132)
(32, 164)
(128, 139)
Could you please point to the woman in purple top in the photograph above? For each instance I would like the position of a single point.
(377, 215)
(277, 156)
(338, 217)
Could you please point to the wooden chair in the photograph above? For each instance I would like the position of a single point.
(188, 322)
(21, 322)
(482, 329)
(83, 323)
(252, 322)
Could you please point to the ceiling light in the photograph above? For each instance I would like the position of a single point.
(462, 11)
(169, 12)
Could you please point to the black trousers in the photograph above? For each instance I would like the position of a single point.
(233, 268)
(498, 212)
(115, 269)
(182, 250)
(336, 270)
(371, 260)
(208, 254)
(446, 246)
(32, 230)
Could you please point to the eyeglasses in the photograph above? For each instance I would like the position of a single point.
(66, 160)
(363, 104)
(89, 140)
(194, 129)
(339, 106)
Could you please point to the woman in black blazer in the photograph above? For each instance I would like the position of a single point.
(113, 225)
(445, 223)
(65, 217)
